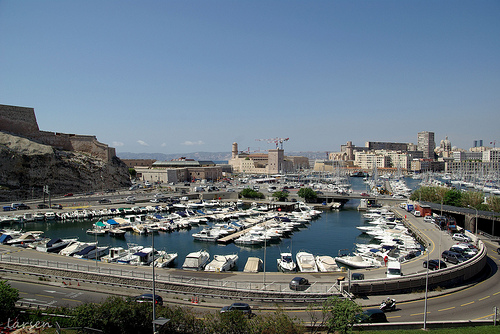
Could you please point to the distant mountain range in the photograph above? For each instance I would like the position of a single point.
(213, 156)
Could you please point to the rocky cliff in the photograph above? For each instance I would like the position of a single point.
(27, 166)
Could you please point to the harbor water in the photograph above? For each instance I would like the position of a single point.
(332, 233)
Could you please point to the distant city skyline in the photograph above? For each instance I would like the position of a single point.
(194, 76)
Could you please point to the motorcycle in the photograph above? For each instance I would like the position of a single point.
(388, 305)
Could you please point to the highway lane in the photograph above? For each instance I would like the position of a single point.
(40, 295)
(472, 303)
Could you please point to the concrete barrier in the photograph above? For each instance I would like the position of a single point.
(444, 277)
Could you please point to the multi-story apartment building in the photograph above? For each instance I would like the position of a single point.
(370, 160)
(426, 144)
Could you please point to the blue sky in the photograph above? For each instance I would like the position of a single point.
(187, 76)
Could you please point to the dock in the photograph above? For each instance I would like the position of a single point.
(236, 235)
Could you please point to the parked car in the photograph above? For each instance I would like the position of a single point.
(461, 237)
(239, 307)
(371, 315)
(452, 257)
(68, 195)
(19, 206)
(434, 264)
(56, 206)
(357, 276)
(148, 298)
(464, 251)
(299, 284)
(104, 201)
(42, 206)
(428, 219)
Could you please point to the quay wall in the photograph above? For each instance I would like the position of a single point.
(180, 285)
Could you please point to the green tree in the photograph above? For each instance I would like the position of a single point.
(307, 194)
(132, 172)
(250, 193)
(280, 195)
(115, 315)
(278, 323)
(453, 197)
(8, 298)
(493, 203)
(340, 314)
(472, 198)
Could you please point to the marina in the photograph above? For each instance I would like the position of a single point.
(327, 235)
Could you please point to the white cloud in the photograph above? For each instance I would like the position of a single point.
(192, 143)
(164, 145)
(143, 143)
(117, 144)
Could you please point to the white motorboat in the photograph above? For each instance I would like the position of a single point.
(130, 254)
(286, 263)
(74, 248)
(210, 234)
(356, 261)
(39, 216)
(196, 260)
(114, 254)
(306, 262)
(254, 265)
(116, 232)
(249, 239)
(165, 259)
(49, 215)
(24, 239)
(91, 252)
(55, 245)
(144, 257)
(96, 231)
(326, 263)
(140, 229)
(222, 263)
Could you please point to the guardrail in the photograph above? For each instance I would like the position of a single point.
(168, 282)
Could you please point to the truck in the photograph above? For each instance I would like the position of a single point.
(394, 269)
(409, 207)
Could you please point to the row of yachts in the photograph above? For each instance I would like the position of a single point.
(391, 240)
(90, 213)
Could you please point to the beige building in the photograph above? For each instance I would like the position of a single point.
(274, 162)
(370, 160)
(181, 170)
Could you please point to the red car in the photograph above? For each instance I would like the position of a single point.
(364, 194)
(68, 195)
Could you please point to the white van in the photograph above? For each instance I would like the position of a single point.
(394, 269)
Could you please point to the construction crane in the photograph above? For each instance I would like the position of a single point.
(277, 141)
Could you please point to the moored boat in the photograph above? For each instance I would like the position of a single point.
(196, 260)
(326, 263)
(286, 263)
(253, 265)
(306, 262)
(222, 263)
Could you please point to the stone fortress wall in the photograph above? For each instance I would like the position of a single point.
(21, 121)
